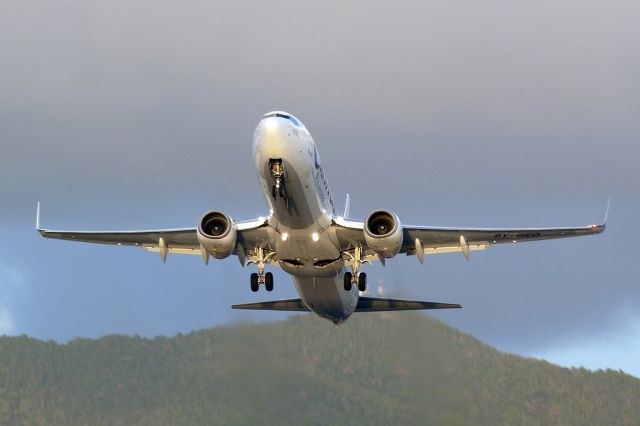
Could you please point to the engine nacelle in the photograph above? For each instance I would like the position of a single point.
(383, 233)
(217, 234)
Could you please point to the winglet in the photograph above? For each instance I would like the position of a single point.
(38, 217)
(347, 205)
(606, 213)
(600, 228)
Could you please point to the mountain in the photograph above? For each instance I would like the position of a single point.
(375, 369)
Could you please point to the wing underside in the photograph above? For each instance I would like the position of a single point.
(251, 234)
(435, 240)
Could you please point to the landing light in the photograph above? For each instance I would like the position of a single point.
(315, 236)
(271, 124)
(285, 236)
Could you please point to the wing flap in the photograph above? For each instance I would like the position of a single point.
(174, 250)
(447, 249)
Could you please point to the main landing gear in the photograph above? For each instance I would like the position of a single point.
(261, 278)
(360, 280)
(278, 188)
(355, 277)
(257, 279)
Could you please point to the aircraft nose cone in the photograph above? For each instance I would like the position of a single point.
(271, 125)
(273, 132)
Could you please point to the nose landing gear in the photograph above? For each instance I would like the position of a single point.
(278, 188)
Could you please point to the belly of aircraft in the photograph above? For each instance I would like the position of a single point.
(326, 297)
(305, 246)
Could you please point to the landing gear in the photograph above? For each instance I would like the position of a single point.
(278, 188)
(268, 281)
(260, 278)
(348, 281)
(355, 277)
(254, 282)
(362, 281)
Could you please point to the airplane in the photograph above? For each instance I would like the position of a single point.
(306, 237)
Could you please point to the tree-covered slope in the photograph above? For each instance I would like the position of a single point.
(374, 369)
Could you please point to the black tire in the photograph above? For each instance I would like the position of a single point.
(362, 281)
(347, 281)
(254, 282)
(268, 281)
(273, 191)
(282, 193)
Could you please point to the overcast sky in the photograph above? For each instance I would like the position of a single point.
(129, 115)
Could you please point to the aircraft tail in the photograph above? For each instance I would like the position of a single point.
(365, 304)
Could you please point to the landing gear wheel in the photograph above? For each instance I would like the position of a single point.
(254, 282)
(273, 191)
(362, 281)
(281, 191)
(268, 281)
(348, 276)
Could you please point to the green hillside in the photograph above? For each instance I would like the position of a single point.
(374, 369)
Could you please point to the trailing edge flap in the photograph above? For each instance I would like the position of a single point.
(372, 304)
(275, 305)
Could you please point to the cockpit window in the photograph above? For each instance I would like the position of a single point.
(285, 116)
(277, 114)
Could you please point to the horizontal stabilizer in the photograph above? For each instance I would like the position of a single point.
(372, 304)
(275, 305)
(365, 304)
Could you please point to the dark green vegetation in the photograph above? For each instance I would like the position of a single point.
(375, 369)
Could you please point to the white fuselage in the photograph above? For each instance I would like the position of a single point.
(307, 245)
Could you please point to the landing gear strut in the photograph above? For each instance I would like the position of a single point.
(260, 278)
(355, 277)
(278, 188)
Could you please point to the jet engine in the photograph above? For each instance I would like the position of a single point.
(383, 233)
(217, 234)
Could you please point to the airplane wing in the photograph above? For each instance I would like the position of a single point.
(177, 240)
(251, 234)
(434, 240)
(421, 240)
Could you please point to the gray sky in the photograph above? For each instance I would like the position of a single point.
(460, 113)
